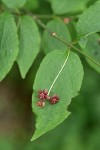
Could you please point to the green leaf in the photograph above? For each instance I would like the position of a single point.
(8, 43)
(14, 3)
(89, 22)
(68, 6)
(93, 49)
(82, 41)
(29, 44)
(66, 87)
(31, 5)
(49, 42)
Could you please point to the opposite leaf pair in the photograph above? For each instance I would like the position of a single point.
(43, 95)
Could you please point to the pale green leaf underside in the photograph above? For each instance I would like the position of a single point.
(29, 44)
(8, 43)
(14, 3)
(89, 22)
(50, 43)
(66, 87)
(93, 49)
(68, 6)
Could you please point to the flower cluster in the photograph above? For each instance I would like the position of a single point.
(54, 99)
(43, 95)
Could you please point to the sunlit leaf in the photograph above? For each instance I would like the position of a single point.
(66, 87)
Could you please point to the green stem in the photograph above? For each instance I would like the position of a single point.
(52, 16)
(18, 23)
(65, 42)
(71, 45)
(40, 22)
(44, 16)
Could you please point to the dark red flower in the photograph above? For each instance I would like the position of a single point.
(42, 94)
(54, 99)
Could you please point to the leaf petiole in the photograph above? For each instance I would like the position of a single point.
(71, 45)
(66, 42)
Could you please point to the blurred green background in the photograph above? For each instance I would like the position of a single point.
(80, 131)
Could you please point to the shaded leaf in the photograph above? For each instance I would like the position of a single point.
(31, 4)
(50, 43)
(29, 44)
(8, 43)
(66, 87)
(89, 22)
(14, 3)
(93, 49)
(68, 6)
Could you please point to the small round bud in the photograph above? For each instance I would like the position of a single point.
(45, 91)
(47, 97)
(66, 20)
(40, 103)
(53, 33)
(43, 104)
